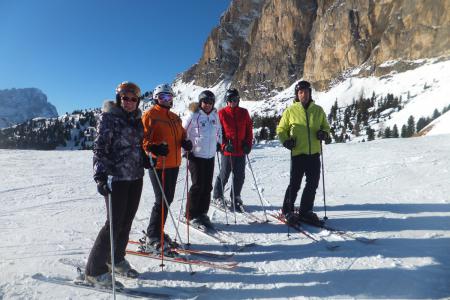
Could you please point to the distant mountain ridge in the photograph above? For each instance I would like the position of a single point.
(19, 105)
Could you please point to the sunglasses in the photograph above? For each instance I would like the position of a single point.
(132, 99)
(165, 97)
(208, 101)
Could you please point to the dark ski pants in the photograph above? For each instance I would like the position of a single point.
(168, 182)
(227, 163)
(308, 165)
(125, 198)
(202, 172)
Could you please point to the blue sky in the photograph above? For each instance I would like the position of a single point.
(77, 51)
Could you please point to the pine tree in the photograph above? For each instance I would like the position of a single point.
(370, 134)
(395, 131)
(411, 128)
(387, 133)
(404, 133)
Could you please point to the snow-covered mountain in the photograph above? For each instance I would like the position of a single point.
(393, 190)
(19, 105)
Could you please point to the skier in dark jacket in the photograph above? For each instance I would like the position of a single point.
(118, 154)
(237, 137)
(301, 129)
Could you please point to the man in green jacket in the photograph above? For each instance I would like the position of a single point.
(302, 128)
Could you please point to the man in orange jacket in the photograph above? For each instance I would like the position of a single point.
(164, 136)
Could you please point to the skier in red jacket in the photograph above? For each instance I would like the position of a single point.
(237, 137)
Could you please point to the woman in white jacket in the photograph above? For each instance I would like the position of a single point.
(204, 131)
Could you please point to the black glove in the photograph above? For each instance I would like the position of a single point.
(146, 160)
(187, 145)
(102, 187)
(246, 148)
(229, 147)
(322, 135)
(289, 144)
(218, 147)
(159, 149)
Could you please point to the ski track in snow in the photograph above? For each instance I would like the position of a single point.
(394, 190)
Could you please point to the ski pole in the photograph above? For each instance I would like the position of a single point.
(111, 237)
(323, 182)
(232, 189)
(162, 213)
(257, 189)
(188, 202)
(221, 183)
(170, 213)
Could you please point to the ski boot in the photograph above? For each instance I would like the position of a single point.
(202, 222)
(153, 245)
(124, 269)
(102, 281)
(292, 218)
(310, 217)
(238, 204)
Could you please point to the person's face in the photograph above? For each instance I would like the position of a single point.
(233, 103)
(165, 99)
(303, 95)
(207, 106)
(128, 101)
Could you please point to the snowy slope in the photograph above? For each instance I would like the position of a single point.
(395, 190)
(423, 89)
(439, 126)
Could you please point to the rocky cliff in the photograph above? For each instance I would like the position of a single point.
(263, 46)
(19, 105)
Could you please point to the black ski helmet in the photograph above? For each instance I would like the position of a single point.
(232, 95)
(206, 95)
(302, 85)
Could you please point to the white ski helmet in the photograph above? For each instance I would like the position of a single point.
(162, 88)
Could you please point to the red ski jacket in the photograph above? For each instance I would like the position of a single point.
(237, 127)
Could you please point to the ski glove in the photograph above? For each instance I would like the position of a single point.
(289, 144)
(322, 135)
(159, 149)
(146, 160)
(102, 188)
(246, 148)
(229, 147)
(187, 145)
(219, 147)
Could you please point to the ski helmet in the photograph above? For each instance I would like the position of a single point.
(232, 95)
(302, 85)
(126, 87)
(162, 88)
(206, 95)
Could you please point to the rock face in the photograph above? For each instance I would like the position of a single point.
(19, 105)
(262, 46)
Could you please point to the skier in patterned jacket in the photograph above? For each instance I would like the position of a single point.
(118, 154)
(204, 131)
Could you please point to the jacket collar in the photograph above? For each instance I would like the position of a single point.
(112, 108)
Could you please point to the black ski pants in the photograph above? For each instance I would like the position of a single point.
(168, 181)
(125, 198)
(202, 172)
(237, 163)
(308, 165)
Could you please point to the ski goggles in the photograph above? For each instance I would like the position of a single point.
(165, 97)
(132, 99)
(233, 99)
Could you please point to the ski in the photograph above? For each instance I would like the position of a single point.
(251, 218)
(196, 252)
(343, 233)
(299, 229)
(128, 292)
(184, 260)
(222, 237)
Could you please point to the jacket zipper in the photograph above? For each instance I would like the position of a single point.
(309, 133)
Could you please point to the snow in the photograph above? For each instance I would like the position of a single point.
(423, 89)
(395, 190)
(440, 126)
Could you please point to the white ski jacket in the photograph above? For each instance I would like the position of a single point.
(204, 131)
